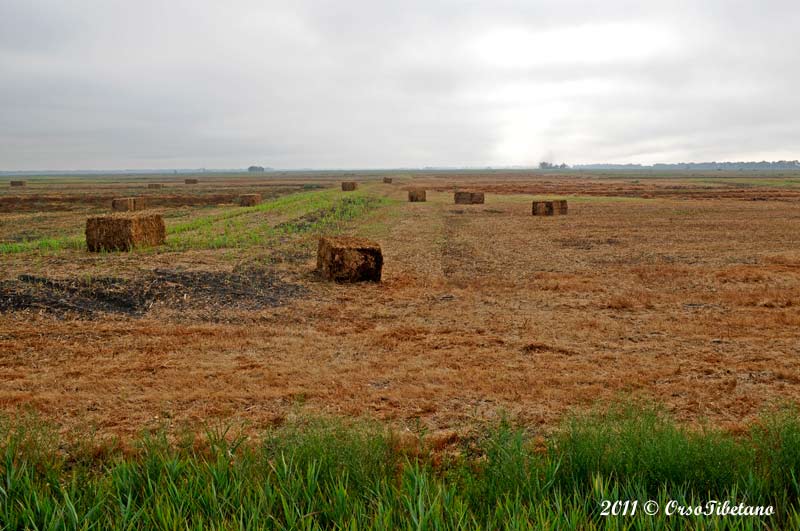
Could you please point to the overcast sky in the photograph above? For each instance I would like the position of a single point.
(103, 84)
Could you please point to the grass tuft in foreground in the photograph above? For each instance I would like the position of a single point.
(316, 475)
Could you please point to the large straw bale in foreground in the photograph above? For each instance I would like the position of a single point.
(346, 259)
(417, 196)
(248, 200)
(468, 198)
(123, 232)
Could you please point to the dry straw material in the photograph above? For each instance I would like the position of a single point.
(123, 232)
(416, 196)
(346, 259)
(543, 208)
(190, 181)
(248, 200)
(17, 183)
(387, 180)
(128, 204)
(468, 198)
(349, 186)
(154, 186)
(549, 208)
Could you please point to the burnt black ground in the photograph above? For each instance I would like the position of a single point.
(247, 289)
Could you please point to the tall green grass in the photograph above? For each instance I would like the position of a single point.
(327, 475)
(44, 245)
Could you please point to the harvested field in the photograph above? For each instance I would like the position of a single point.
(481, 312)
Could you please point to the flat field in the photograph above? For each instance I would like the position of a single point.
(683, 289)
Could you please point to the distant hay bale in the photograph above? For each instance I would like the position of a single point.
(128, 204)
(550, 208)
(346, 259)
(387, 180)
(462, 198)
(190, 181)
(349, 186)
(249, 200)
(123, 232)
(542, 208)
(154, 185)
(468, 198)
(416, 196)
(18, 183)
(122, 204)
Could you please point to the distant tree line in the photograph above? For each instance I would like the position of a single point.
(552, 166)
(255, 168)
(763, 165)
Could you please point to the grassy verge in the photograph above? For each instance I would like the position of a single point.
(326, 475)
(238, 227)
(308, 212)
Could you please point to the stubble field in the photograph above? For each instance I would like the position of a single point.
(676, 289)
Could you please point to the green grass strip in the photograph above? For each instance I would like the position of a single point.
(327, 475)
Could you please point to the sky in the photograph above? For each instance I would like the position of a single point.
(109, 84)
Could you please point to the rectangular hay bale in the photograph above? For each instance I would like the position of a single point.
(561, 206)
(477, 198)
(248, 200)
(349, 186)
(190, 181)
(416, 196)
(128, 204)
(347, 259)
(154, 186)
(387, 180)
(122, 204)
(123, 232)
(468, 198)
(18, 183)
(543, 208)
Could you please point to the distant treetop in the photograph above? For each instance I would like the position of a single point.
(552, 166)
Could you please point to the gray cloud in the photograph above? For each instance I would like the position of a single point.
(111, 84)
